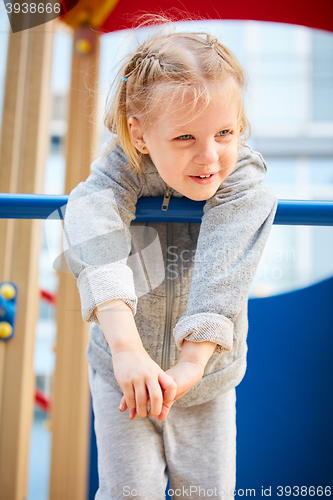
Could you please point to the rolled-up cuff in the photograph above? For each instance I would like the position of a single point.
(103, 283)
(204, 327)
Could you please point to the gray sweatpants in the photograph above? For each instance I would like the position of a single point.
(197, 444)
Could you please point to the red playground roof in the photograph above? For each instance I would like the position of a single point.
(317, 14)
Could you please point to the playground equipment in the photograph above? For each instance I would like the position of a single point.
(24, 142)
(313, 213)
(8, 295)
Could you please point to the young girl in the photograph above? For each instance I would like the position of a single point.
(168, 301)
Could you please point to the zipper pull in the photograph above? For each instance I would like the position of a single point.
(166, 200)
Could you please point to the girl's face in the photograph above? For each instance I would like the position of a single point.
(203, 144)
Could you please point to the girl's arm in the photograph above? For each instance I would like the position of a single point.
(97, 243)
(233, 232)
(97, 240)
(234, 229)
(139, 377)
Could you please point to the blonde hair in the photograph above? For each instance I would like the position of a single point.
(166, 67)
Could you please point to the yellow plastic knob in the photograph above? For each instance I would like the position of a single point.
(5, 330)
(83, 46)
(48, 425)
(8, 291)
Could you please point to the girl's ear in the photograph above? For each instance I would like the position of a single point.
(136, 134)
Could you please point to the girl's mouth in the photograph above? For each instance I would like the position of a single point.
(203, 180)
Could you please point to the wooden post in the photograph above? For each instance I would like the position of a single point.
(71, 400)
(24, 145)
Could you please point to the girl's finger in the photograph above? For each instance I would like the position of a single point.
(155, 398)
(132, 413)
(169, 387)
(165, 410)
(141, 399)
(123, 406)
(129, 395)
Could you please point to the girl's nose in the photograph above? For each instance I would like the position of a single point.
(207, 156)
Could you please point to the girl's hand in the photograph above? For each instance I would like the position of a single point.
(185, 374)
(189, 370)
(142, 381)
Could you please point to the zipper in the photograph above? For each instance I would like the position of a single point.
(169, 304)
(166, 199)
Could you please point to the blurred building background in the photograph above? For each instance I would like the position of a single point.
(289, 100)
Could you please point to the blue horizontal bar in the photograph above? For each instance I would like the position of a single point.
(304, 213)
(289, 212)
(29, 206)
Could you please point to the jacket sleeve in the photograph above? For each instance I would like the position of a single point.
(97, 240)
(233, 232)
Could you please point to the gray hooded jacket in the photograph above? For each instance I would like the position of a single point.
(188, 279)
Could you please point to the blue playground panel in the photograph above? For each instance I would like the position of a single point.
(285, 402)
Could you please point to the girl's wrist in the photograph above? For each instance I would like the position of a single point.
(118, 325)
(197, 352)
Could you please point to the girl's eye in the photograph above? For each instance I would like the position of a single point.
(185, 137)
(223, 133)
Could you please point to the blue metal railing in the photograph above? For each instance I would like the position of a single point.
(36, 206)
